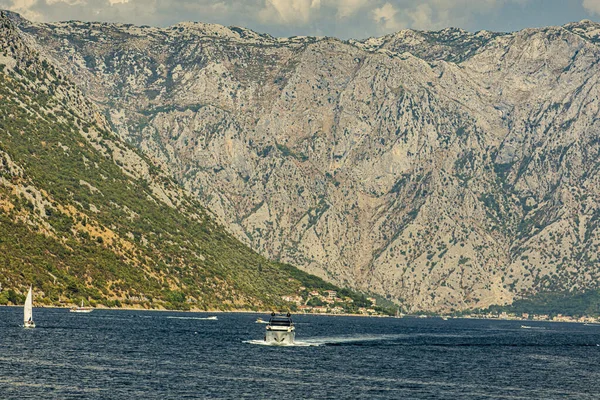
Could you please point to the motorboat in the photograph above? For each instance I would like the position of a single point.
(280, 330)
(261, 321)
(28, 311)
(81, 309)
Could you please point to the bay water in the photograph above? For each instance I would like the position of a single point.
(123, 354)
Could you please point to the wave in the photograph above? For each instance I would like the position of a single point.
(295, 344)
(196, 318)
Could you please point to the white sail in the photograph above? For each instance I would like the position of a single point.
(28, 309)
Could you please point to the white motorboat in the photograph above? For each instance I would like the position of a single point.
(28, 311)
(280, 330)
(532, 327)
(81, 309)
(261, 321)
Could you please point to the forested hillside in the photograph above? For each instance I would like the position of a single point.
(85, 216)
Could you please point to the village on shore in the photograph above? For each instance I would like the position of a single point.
(329, 302)
(535, 317)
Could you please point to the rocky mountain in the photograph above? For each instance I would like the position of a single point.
(83, 215)
(444, 170)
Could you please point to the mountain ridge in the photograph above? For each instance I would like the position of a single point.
(458, 174)
(86, 216)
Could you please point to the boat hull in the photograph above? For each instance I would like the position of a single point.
(29, 325)
(280, 337)
(75, 310)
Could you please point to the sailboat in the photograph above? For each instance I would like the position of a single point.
(28, 311)
(398, 313)
(81, 309)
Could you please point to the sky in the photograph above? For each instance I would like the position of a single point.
(338, 18)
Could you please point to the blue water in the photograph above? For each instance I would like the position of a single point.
(151, 355)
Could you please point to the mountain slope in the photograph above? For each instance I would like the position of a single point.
(86, 216)
(445, 170)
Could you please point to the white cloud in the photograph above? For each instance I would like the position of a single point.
(347, 8)
(294, 12)
(220, 7)
(24, 7)
(593, 6)
(67, 2)
(385, 16)
(435, 14)
(341, 18)
(438, 14)
(421, 17)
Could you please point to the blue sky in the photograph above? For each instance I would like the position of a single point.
(339, 18)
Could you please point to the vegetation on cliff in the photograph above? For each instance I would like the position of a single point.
(84, 216)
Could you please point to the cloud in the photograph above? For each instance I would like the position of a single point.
(24, 7)
(289, 11)
(347, 8)
(69, 2)
(339, 18)
(435, 14)
(421, 17)
(386, 16)
(593, 6)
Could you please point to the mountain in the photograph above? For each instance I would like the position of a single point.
(85, 215)
(444, 170)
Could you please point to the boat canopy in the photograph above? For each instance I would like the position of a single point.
(281, 320)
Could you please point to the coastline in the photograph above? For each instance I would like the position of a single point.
(215, 311)
(198, 311)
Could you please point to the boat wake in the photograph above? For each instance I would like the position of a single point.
(331, 341)
(196, 318)
(356, 339)
(295, 344)
(532, 327)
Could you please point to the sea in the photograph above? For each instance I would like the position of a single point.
(124, 354)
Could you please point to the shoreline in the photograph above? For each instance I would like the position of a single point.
(199, 311)
(416, 316)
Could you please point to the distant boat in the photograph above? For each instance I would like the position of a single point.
(28, 311)
(81, 309)
(261, 321)
(532, 327)
(214, 318)
(398, 313)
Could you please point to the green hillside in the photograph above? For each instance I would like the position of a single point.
(576, 304)
(82, 215)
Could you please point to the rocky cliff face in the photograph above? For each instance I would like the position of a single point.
(83, 215)
(444, 169)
